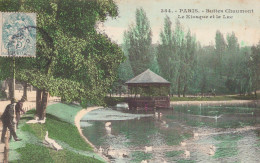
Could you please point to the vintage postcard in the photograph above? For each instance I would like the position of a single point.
(121, 81)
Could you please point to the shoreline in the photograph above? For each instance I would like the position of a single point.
(232, 102)
(77, 119)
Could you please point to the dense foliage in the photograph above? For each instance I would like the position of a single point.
(73, 60)
(224, 67)
(138, 43)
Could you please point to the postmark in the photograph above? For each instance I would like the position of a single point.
(18, 34)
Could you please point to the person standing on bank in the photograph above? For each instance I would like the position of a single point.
(18, 110)
(7, 119)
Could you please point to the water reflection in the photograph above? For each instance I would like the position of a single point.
(185, 134)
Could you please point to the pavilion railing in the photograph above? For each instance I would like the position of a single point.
(149, 102)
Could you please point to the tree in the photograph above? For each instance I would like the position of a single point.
(154, 66)
(254, 65)
(178, 42)
(205, 71)
(243, 80)
(125, 71)
(188, 61)
(185, 47)
(176, 56)
(220, 48)
(73, 60)
(232, 62)
(6, 72)
(140, 40)
(166, 54)
(25, 85)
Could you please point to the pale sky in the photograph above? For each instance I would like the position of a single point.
(245, 25)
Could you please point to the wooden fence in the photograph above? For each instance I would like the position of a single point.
(149, 102)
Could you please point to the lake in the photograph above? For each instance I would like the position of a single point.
(182, 134)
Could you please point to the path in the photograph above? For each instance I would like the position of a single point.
(232, 102)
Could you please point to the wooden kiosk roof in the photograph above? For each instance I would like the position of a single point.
(146, 78)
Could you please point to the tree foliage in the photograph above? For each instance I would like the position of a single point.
(176, 56)
(220, 48)
(167, 57)
(222, 67)
(254, 66)
(140, 40)
(73, 60)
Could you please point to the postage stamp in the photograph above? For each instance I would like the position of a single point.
(18, 34)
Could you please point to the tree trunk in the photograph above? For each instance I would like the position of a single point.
(25, 91)
(179, 87)
(184, 90)
(38, 101)
(10, 87)
(255, 94)
(120, 92)
(44, 103)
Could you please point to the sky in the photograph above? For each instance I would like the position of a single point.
(246, 26)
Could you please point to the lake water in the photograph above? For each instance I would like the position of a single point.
(183, 134)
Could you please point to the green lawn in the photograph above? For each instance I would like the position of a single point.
(61, 128)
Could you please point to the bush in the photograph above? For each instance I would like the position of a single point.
(112, 101)
(3, 94)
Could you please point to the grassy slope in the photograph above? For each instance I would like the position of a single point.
(60, 125)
